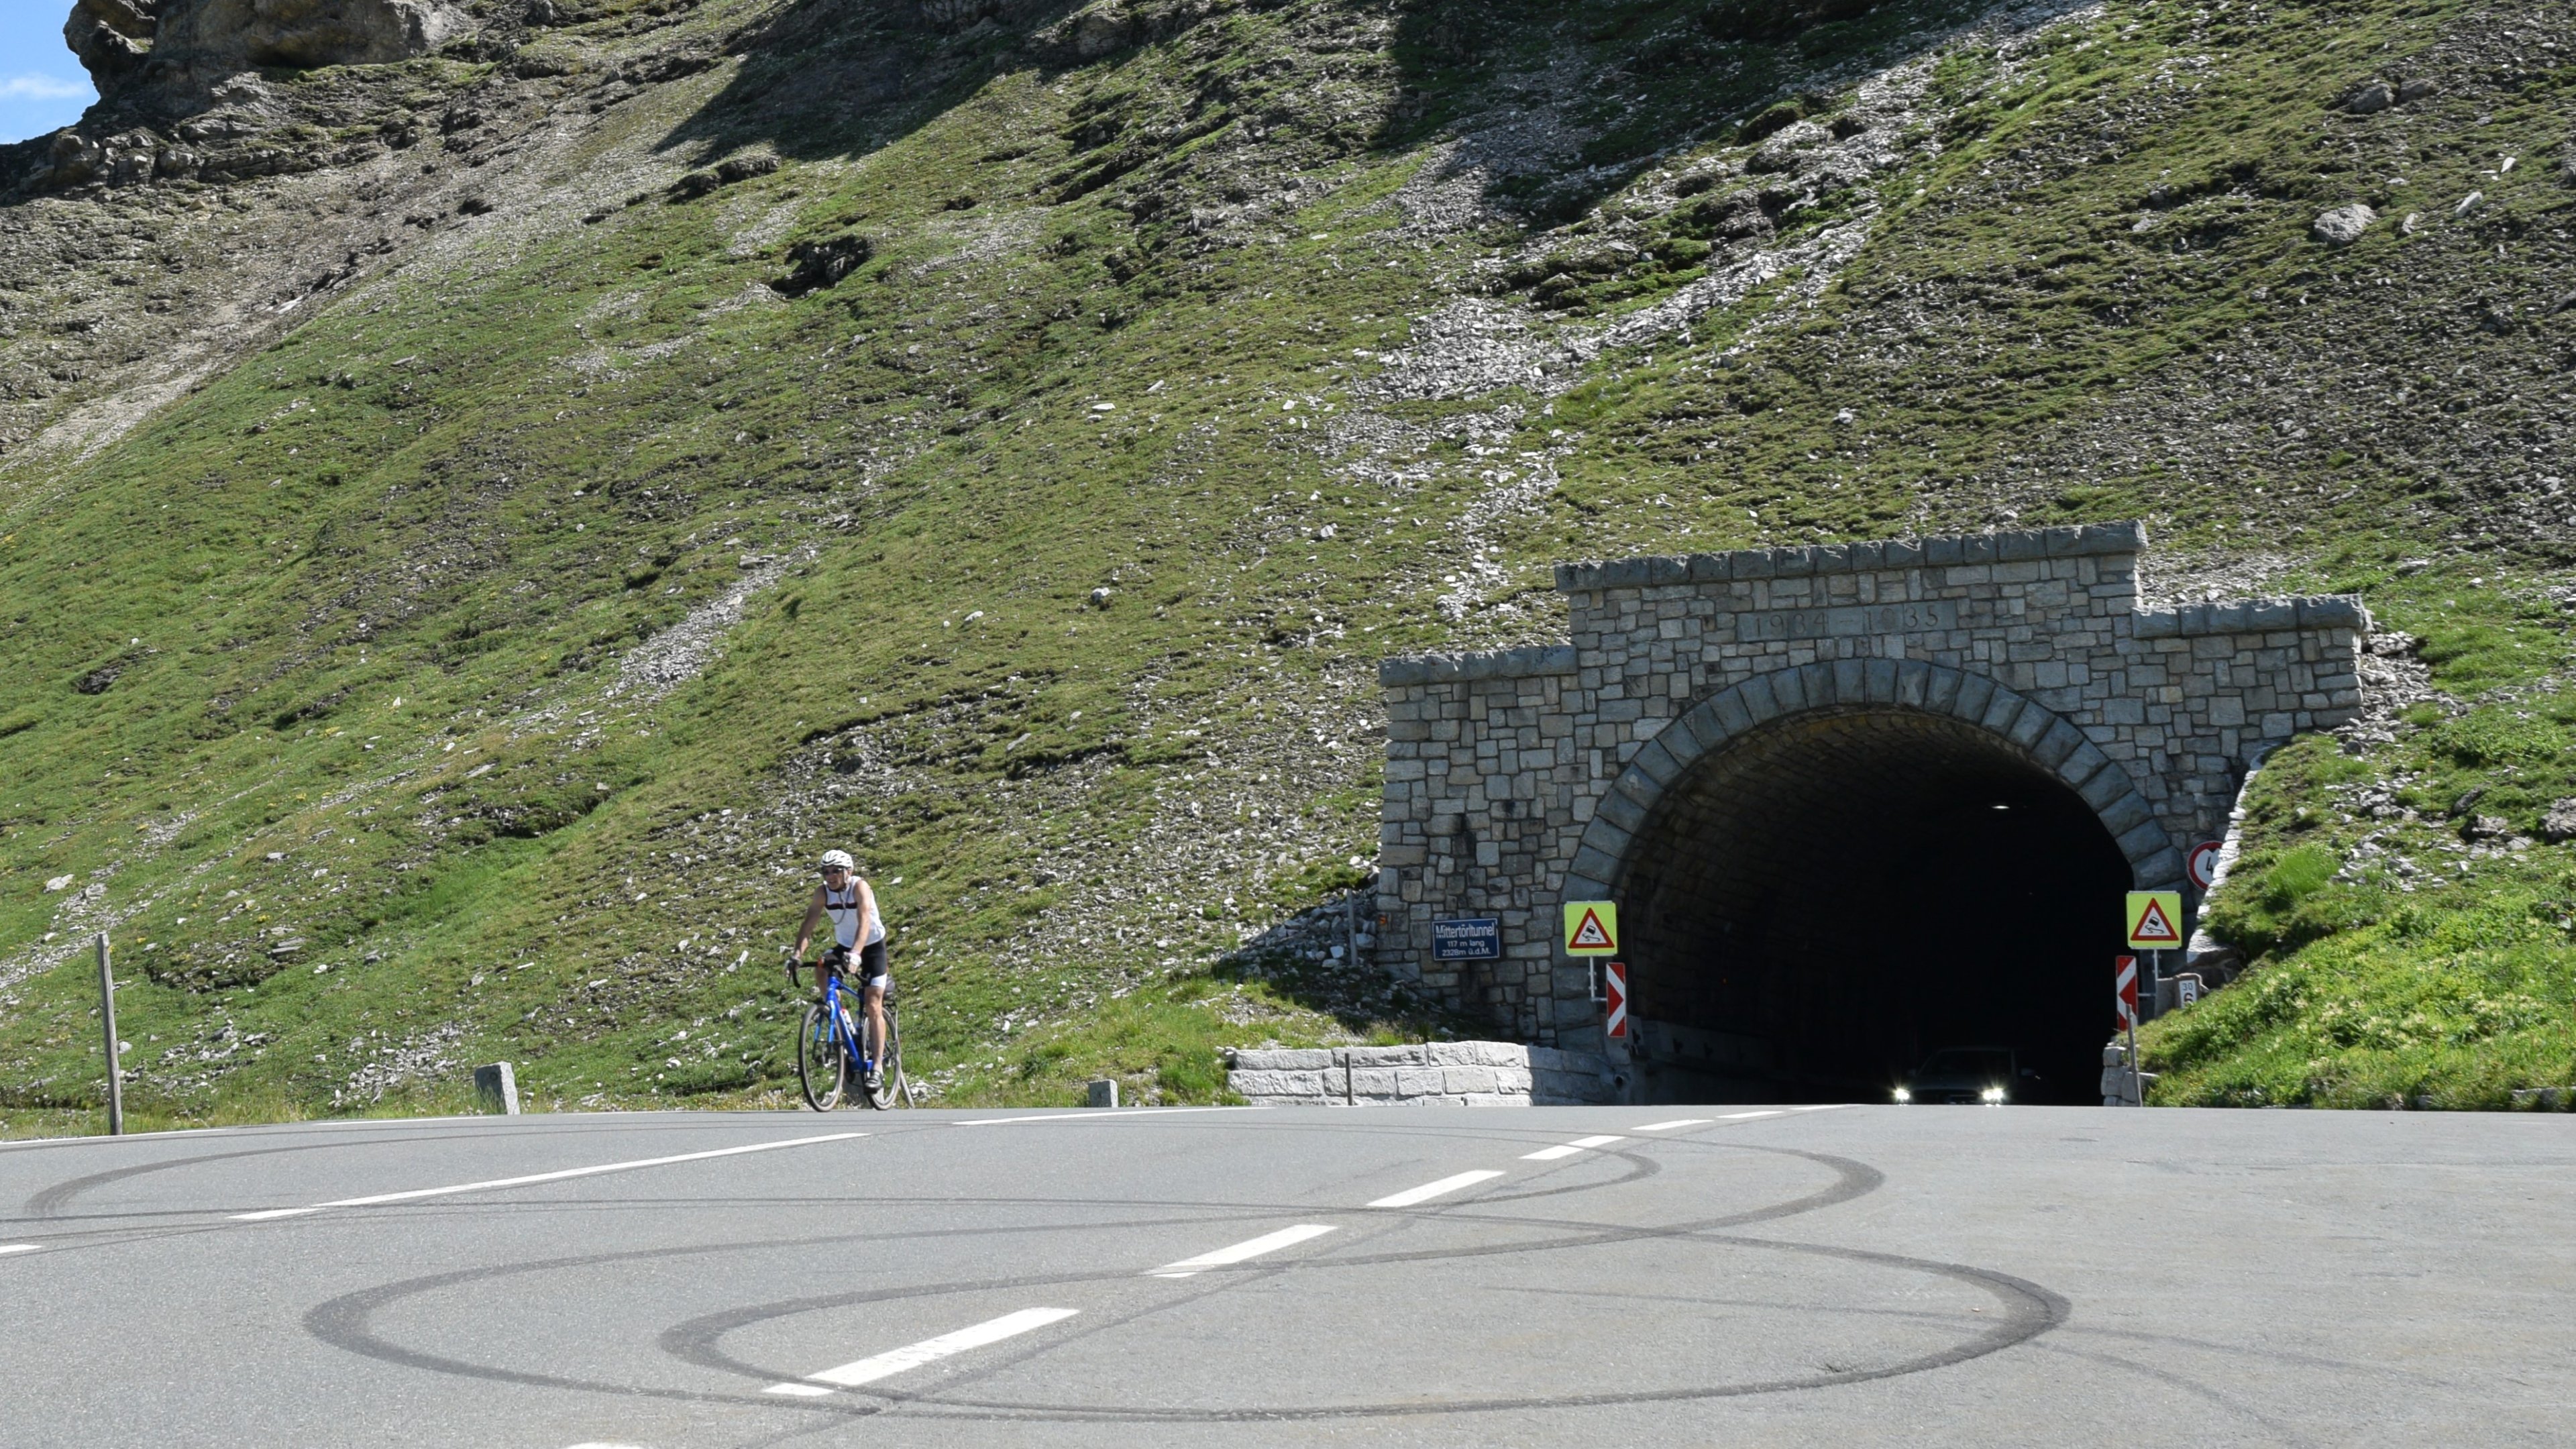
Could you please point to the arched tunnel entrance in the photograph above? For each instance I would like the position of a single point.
(1819, 903)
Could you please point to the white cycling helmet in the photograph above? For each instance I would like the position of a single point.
(840, 858)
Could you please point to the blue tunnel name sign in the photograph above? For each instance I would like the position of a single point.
(1467, 938)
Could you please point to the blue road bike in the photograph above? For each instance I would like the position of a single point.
(831, 1045)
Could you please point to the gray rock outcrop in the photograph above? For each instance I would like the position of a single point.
(2344, 225)
(2560, 823)
(1786, 150)
(174, 42)
(111, 37)
(957, 14)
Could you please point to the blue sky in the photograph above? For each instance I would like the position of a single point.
(42, 85)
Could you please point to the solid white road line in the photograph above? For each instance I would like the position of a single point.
(537, 1177)
(1266, 1243)
(912, 1356)
(7, 1248)
(1120, 1114)
(1674, 1125)
(1430, 1190)
(1568, 1149)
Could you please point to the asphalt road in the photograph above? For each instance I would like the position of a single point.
(1867, 1275)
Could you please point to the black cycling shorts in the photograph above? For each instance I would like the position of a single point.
(872, 965)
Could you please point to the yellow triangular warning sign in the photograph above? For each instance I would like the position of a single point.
(1591, 928)
(2154, 927)
(1589, 936)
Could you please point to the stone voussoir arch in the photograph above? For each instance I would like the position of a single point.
(2047, 739)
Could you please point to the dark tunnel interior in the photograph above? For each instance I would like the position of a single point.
(1818, 906)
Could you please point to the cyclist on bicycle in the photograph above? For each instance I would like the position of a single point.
(860, 934)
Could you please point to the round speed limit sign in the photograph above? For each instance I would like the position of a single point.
(2202, 864)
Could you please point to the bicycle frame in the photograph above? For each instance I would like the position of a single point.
(843, 1026)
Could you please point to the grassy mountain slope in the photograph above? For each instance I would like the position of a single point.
(454, 583)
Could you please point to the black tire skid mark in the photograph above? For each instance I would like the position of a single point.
(2031, 1310)
(355, 1129)
(2178, 1383)
(693, 1341)
(50, 1202)
(1854, 1179)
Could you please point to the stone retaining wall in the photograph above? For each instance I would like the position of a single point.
(1430, 1074)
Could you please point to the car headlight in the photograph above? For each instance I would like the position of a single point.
(1992, 1094)
(1903, 1096)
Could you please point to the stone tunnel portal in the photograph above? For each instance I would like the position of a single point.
(1783, 765)
(1821, 903)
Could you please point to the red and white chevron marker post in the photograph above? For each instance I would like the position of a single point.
(2125, 1001)
(1614, 991)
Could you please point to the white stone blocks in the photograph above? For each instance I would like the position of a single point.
(1255, 1083)
(1459, 1081)
(1439, 1073)
(1283, 1059)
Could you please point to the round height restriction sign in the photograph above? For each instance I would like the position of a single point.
(2202, 864)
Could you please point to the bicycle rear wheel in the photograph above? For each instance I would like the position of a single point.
(891, 1090)
(822, 1068)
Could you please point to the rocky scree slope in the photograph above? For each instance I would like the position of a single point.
(474, 521)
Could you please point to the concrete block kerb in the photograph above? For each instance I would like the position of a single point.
(1526, 777)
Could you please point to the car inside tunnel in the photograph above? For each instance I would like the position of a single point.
(1820, 904)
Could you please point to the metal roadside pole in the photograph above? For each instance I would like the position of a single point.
(2201, 866)
(2154, 923)
(1591, 929)
(2137, 1069)
(107, 1024)
(2124, 1002)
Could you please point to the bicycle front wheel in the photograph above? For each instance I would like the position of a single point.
(821, 1066)
(891, 1089)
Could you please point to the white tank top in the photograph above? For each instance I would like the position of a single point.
(844, 911)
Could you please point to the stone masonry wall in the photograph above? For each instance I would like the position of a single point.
(1428, 1074)
(1498, 763)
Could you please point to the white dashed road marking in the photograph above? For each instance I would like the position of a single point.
(1749, 1116)
(1568, 1149)
(929, 1350)
(1430, 1190)
(1266, 1243)
(1674, 1125)
(1825, 1107)
(7, 1248)
(537, 1177)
